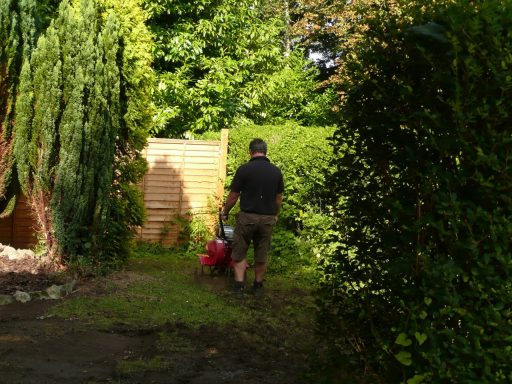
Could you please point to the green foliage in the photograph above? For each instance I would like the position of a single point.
(205, 54)
(217, 61)
(78, 150)
(17, 36)
(284, 252)
(194, 230)
(137, 81)
(200, 233)
(303, 154)
(423, 158)
(291, 92)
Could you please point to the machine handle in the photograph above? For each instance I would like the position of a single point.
(222, 233)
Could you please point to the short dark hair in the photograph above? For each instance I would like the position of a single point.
(258, 145)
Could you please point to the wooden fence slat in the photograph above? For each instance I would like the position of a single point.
(163, 197)
(161, 152)
(200, 166)
(161, 204)
(163, 171)
(151, 182)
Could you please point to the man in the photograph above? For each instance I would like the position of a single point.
(259, 184)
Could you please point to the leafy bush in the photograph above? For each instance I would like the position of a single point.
(212, 60)
(424, 181)
(292, 92)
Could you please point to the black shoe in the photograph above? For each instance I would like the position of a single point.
(238, 290)
(257, 289)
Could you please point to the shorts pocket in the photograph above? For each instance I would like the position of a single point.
(243, 218)
(268, 220)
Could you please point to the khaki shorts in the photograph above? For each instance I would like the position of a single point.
(256, 228)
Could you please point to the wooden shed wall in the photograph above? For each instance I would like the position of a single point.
(18, 229)
(183, 175)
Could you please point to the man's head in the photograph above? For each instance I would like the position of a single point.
(257, 146)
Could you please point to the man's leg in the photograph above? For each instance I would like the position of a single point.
(239, 268)
(259, 274)
(262, 238)
(241, 240)
(259, 271)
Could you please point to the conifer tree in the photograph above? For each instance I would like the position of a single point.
(17, 34)
(79, 151)
(137, 110)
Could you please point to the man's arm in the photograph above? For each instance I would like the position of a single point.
(230, 202)
(279, 201)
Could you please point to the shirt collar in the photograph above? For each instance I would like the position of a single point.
(260, 158)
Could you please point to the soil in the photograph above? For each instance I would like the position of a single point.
(38, 348)
(26, 274)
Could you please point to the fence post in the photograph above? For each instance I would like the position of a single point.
(223, 157)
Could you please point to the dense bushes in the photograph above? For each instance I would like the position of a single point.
(423, 191)
(303, 155)
(217, 61)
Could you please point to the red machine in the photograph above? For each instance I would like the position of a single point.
(218, 256)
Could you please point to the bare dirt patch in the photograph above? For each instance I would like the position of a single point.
(21, 270)
(36, 347)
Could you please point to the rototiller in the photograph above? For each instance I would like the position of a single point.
(218, 256)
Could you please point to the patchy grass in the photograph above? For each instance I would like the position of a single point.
(196, 328)
(161, 288)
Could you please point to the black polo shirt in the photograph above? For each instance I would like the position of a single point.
(258, 182)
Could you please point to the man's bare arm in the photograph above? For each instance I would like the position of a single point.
(230, 202)
(279, 202)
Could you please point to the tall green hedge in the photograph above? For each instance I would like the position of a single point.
(303, 154)
(423, 190)
(21, 22)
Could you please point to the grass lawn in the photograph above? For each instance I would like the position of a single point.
(193, 319)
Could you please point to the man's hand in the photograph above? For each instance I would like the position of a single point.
(224, 216)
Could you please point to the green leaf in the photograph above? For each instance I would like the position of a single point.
(402, 339)
(427, 300)
(421, 337)
(417, 379)
(404, 357)
(431, 30)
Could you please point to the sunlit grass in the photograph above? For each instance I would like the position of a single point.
(165, 292)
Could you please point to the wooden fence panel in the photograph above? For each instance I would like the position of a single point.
(183, 175)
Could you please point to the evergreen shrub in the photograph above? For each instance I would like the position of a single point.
(82, 117)
(19, 26)
(422, 278)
